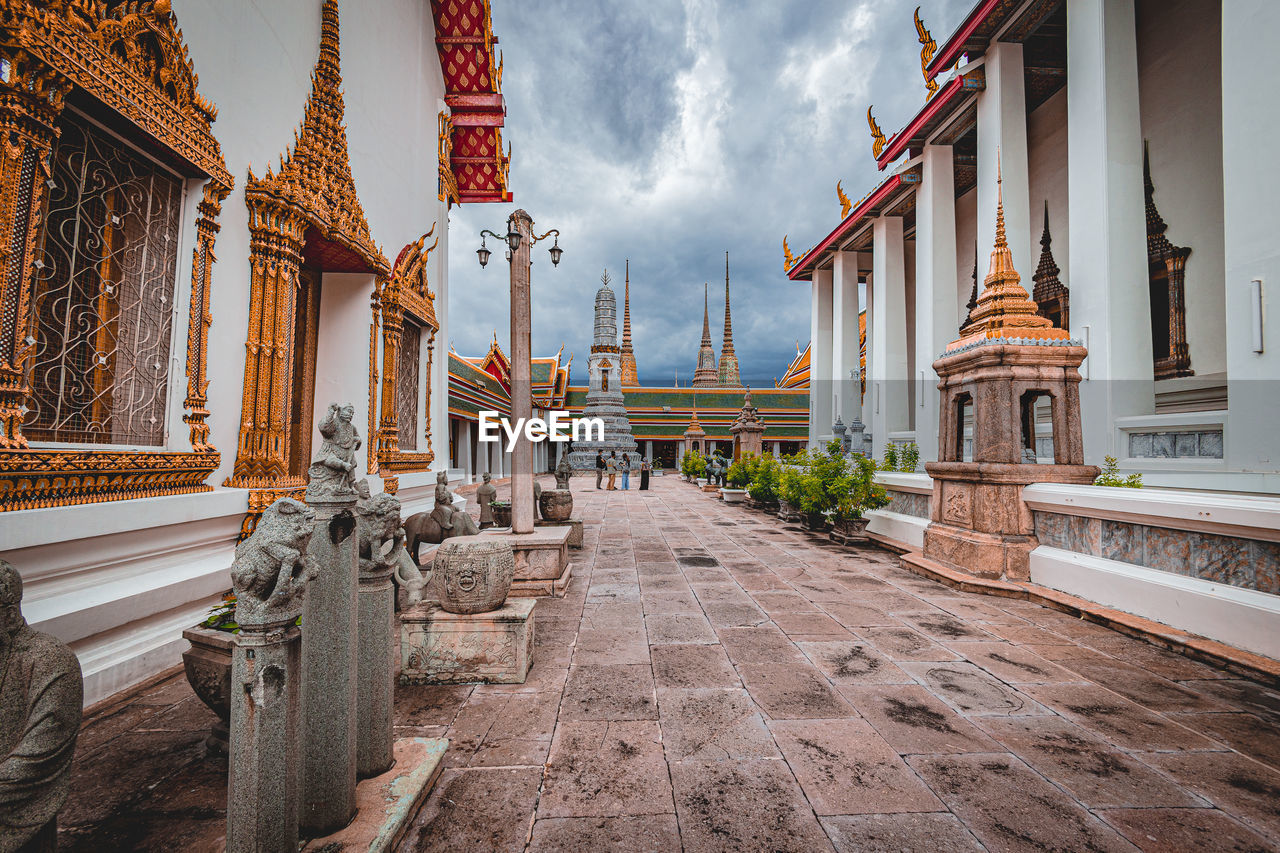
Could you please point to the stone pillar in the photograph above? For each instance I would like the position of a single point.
(375, 682)
(522, 514)
(844, 336)
(889, 364)
(1252, 221)
(464, 451)
(1002, 136)
(648, 450)
(263, 773)
(777, 449)
(329, 667)
(1110, 301)
(937, 312)
(820, 415)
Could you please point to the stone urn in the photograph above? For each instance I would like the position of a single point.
(474, 575)
(208, 666)
(501, 514)
(556, 504)
(846, 530)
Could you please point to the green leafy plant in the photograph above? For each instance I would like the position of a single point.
(856, 491)
(765, 480)
(693, 464)
(890, 462)
(222, 616)
(500, 504)
(910, 458)
(1111, 476)
(741, 472)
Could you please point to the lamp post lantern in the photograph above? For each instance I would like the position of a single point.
(520, 240)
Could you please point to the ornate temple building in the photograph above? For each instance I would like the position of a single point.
(1122, 135)
(204, 247)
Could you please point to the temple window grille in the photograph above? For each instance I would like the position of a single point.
(104, 291)
(407, 387)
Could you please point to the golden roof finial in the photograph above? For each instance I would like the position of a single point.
(926, 55)
(789, 260)
(877, 135)
(845, 204)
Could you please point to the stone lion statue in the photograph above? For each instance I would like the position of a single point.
(382, 541)
(270, 571)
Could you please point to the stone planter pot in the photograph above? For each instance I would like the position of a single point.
(787, 512)
(501, 515)
(814, 520)
(556, 504)
(846, 530)
(473, 576)
(208, 666)
(733, 496)
(702, 481)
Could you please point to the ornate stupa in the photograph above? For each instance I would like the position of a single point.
(604, 389)
(727, 373)
(707, 375)
(630, 378)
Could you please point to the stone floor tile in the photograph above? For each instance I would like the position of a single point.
(1242, 695)
(623, 834)
(854, 615)
(1126, 724)
(783, 601)
(761, 644)
(1157, 661)
(1137, 684)
(606, 768)
(601, 646)
(790, 691)
(853, 662)
(428, 705)
(1011, 808)
(1240, 787)
(1029, 634)
(1013, 664)
(670, 602)
(810, 624)
(1246, 733)
(905, 644)
(712, 724)
(1183, 830)
(691, 666)
(944, 627)
(1093, 771)
(844, 767)
(666, 628)
(972, 690)
(743, 806)
(895, 833)
(616, 692)
(1062, 650)
(913, 720)
(476, 809)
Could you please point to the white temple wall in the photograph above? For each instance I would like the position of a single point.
(966, 240)
(1047, 162)
(1180, 90)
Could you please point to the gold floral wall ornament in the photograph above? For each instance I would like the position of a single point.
(877, 135)
(130, 59)
(845, 204)
(929, 47)
(788, 260)
(310, 197)
(447, 183)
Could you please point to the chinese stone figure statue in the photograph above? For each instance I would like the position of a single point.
(563, 471)
(41, 692)
(270, 571)
(382, 542)
(332, 474)
(485, 493)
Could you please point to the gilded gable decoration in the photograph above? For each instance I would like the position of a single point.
(928, 47)
(130, 57)
(878, 140)
(447, 183)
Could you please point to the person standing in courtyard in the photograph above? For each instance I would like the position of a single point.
(644, 474)
(626, 472)
(611, 465)
(599, 466)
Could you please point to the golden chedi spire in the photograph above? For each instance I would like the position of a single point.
(630, 378)
(727, 369)
(1005, 309)
(706, 374)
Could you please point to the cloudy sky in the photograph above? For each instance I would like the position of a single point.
(670, 131)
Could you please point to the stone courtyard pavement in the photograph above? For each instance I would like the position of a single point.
(714, 681)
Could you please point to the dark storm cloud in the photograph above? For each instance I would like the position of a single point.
(669, 132)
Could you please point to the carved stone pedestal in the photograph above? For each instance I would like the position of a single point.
(542, 560)
(375, 683)
(437, 647)
(575, 530)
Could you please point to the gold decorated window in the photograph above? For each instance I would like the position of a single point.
(407, 384)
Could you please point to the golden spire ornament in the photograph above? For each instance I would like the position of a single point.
(929, 46)
(877, 135)
(788, 260)
(845, 204)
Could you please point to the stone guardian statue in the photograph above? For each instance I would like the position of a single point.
(332, 474)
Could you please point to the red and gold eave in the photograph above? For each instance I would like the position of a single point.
(473, 92)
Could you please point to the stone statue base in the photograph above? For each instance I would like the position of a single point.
(389, 803)
(542, 559)
(575, 530)
(437, 647)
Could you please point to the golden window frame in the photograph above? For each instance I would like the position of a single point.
(130, 60)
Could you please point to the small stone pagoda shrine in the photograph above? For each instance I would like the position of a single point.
(1008, 363)
(747, 430)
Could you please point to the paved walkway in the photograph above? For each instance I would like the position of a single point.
(715, 682)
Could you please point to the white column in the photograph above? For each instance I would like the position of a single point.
(1110, 302)
(936, 314)
(820, 415)
(777, 449)
(463, 443)
(1002, 134)
(844, 335)
(1249, 67)
(889, 367)
(648, 450)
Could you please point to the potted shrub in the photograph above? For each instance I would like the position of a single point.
(791, 486)
(856, 493)
(763, 487)
(501, 513)
(737, 478)
(692, 465)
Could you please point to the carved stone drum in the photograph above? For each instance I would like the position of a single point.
(556, 504)
(474, 575)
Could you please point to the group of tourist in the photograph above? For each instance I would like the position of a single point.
(612, 465)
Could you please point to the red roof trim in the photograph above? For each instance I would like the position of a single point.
(955, 45)
(899, 142)
(879, 195)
